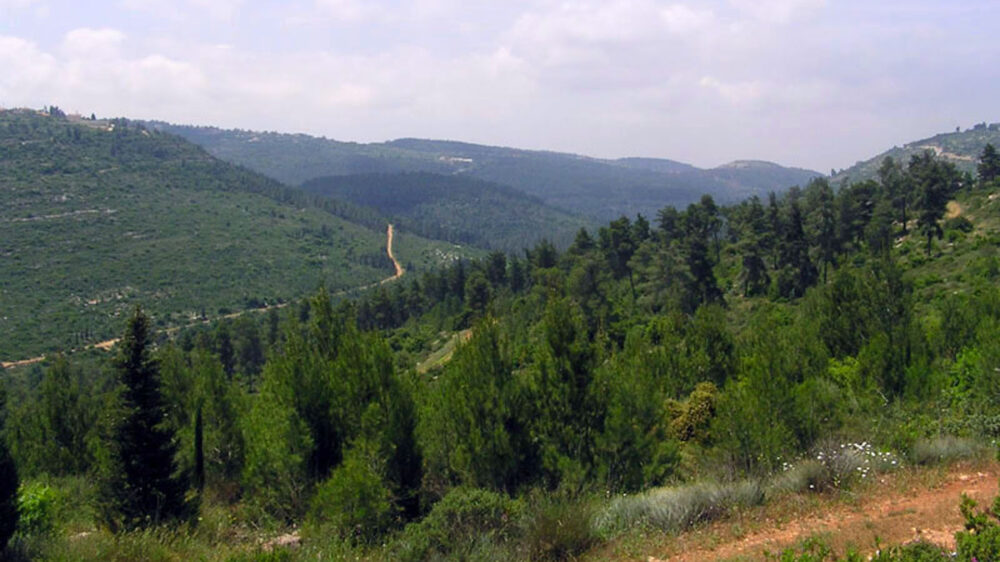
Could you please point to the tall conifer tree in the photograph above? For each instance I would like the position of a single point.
(139, 485)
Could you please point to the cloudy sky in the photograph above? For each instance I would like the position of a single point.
(813, 83)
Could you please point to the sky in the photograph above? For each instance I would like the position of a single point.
(812, 83)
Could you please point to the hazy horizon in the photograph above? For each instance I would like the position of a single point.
(805, 83)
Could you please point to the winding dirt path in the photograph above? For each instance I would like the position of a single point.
(897, 511)
(395, 263)
(108, 344)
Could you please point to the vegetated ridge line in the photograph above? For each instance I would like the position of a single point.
(108, 344)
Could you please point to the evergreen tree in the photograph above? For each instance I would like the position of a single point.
(822, 222)
(989, 165)
(700, 224)
(934, 182)
(798, 271)
(894, 188)
(139, 483)
(752, 247)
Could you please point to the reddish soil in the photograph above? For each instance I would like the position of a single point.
(900, 510)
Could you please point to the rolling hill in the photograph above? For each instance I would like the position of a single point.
(98, 216)
(455, 208)
(597, 188)
(961, 148)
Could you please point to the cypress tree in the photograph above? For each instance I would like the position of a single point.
(139, 484)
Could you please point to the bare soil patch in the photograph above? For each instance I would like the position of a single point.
(900, 509)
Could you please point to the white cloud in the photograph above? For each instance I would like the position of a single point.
(87, 42)
(180, 10)
(778, 11)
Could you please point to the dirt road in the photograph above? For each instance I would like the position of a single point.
(395, 263)
(898, 511)
(108, 344)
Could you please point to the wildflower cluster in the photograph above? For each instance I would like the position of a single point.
(834, 466)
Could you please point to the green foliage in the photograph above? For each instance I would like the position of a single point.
(98, 217)
(558, 529)
(459, 209)
(674, 509)
(329, 386)
(981, 538)
(943, 449)
(36, 507)
(139, 484)
(472, 427)
(465, 520)
(355, 501)
(52, 429)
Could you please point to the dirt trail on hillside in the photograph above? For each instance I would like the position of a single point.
(395, 263)
(108, 344)
(891, 514)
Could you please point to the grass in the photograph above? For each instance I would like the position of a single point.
(675, 509)
(944, 449)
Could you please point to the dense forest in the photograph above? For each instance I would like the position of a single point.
(454, 208)
(660, 372)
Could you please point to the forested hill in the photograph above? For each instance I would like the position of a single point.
(96, 216)
(656, 375)
(961, 148)
(455, 208)
(604, 189)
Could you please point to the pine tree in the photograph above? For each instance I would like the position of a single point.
(989, 165)
(139, 482)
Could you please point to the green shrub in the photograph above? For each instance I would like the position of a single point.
(942, 449)
(354, 501)
(558, 529)
(814, 550)
(960, 223)
(465, 520)
(981, 538)
(808, 475)
(37, 504)
(673, 509)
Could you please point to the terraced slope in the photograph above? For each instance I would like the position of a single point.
(96, 217)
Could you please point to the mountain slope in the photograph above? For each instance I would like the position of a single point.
(598, 188)
(100, 216)
(961, 148)
(455, 208)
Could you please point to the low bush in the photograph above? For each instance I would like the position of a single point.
(464, 521)
(673, 509)
(354, 502)
(558, 529)
(942, 449)
(37, 504)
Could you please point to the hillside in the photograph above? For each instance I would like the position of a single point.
(100, 216)
(455, 208)
(721, 369)
(961, 148)
(599, 188)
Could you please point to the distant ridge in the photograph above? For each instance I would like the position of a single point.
(594, 187)
(961, 148)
